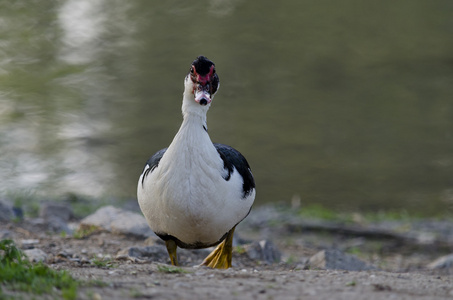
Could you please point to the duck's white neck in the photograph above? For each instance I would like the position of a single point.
(192, 149)
(192, 110)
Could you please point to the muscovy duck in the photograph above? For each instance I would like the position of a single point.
(195, 192)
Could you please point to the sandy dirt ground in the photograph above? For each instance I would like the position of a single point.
(95, 262)
(146, 281)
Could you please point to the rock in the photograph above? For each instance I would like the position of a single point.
(264, 251)
(443, 262)
(6, 212)
(35, 255)
(5, 234)
(29, 242)
(334, 259)
(58, 225)
(65, 254)
(18, 213)
(151, 252)
(97, 296)
(153, 240)
(56, 216)
(118, 221)
(56, 210)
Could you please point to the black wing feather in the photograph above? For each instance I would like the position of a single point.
(153, 162)
(233, 158)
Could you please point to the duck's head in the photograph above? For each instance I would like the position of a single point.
(202, 80)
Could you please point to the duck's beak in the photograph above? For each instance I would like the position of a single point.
(202, 93)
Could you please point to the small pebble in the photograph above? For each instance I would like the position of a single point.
(35, 255)
(29, 242)
(96, 296)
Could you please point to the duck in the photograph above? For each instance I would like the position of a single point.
(195, 192)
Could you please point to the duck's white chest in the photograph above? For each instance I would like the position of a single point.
(188, 186)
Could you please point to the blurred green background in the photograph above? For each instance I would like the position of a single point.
(346, 104)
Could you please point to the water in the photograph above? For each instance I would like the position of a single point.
(346, 105)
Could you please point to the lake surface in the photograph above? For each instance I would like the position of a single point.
(345, 104)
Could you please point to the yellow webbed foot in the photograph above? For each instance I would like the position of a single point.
(171, 249)
(220, 258)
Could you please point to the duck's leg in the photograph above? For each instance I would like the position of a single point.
(220, 258)
(171, 249)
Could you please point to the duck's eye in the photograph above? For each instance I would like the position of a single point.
(191, 70)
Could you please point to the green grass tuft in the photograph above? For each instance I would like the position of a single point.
(103, 262)
(239, 249)
(170, 269)
(351, 283)
(18, 274)
(85, 231)
(317, 211)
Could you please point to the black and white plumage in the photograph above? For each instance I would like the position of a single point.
(194, 192)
